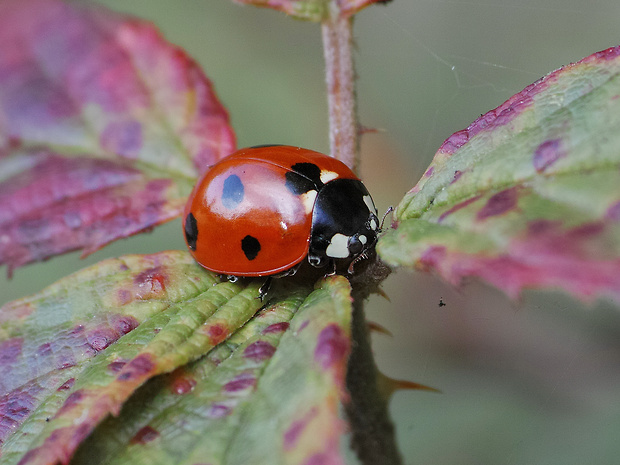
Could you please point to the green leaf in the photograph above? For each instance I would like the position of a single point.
(75, 352)
(266, 389)
(270, 394)
(529, 194)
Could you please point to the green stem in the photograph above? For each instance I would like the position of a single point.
(340, 77)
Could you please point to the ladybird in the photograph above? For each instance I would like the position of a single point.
(262, 210)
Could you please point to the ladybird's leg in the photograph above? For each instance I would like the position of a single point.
(264, 289)
(232, 278)
(317, 260)
(357, 259)
(331, 266)
(290, 272)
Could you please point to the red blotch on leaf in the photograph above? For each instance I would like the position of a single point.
(499, 203)
(332, 348)
(101, 338)
(15, 407)
(10, 350)
(292, 434)
(139, 367)
(182, 383)
(586, 231)
(67, 385)
(44, 350)
(70, 402)
(241, 382)
(547, 153)
(218, 411)
(105, 334)
(259, 350)
(217, 333)
(117, 365)
(457, 176)
(124, 324)
(541, 226)
(150, 283)
(613, 212)
(144, 435)
(324, 458)
(276, 328)
(432, 257)
(124, 297)
(456, 208)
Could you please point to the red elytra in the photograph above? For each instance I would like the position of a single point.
(256, 212)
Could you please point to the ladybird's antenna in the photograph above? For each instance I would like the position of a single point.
(388, 211)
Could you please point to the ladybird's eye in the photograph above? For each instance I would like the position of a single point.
(356, 244)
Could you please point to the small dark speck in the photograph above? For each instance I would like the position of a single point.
(47, 419)
(441, 302)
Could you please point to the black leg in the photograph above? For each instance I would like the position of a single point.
(262, 291)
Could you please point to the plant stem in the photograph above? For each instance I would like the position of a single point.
(340, 77)
(372, 430)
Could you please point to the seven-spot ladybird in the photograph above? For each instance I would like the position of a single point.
(263, 209)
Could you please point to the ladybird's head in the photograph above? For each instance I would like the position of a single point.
(344, 224)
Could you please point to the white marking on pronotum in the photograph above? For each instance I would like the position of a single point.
(370, 204)
(363, 239)
(327, 176)
(338, 246)
(307, 199)
(373, 224)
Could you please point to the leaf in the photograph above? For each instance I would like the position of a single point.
(75, 352)
(314, 10)
(270, 389)
(104, 128)
(270, 394)
(529, 194)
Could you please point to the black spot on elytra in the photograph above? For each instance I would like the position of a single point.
(191, 231)
(232, 192)
(250, 247)
(263, 146)
(304, 177)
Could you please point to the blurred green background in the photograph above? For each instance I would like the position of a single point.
(529, 382)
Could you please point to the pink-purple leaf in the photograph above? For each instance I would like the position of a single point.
(104, 128)
(528, 194)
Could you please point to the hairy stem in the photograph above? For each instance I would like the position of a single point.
(340, 77)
